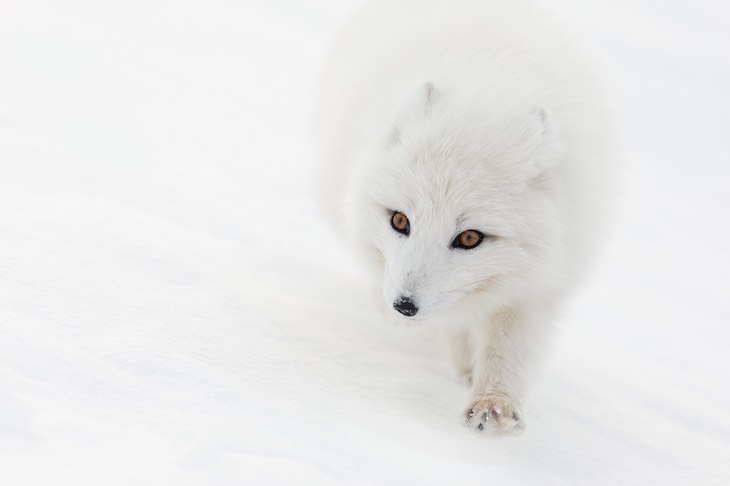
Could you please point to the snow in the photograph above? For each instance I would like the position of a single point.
(174, 310)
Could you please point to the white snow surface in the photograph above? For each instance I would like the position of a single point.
(174, 310)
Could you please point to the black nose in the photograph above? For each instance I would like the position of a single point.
(405, 306)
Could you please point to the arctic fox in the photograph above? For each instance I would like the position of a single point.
(466, 156)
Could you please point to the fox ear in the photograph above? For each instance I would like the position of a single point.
(541, 125)
(541, 137)
(416, 106)
(420, 100)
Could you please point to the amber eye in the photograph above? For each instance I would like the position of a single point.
(400, 223)
(468, 239)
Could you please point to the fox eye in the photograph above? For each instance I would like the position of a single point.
(400, 223)
(467, 240)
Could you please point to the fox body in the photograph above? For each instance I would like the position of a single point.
(465, 155)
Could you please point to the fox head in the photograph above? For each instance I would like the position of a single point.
(458, 200)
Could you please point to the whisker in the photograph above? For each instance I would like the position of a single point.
(471, 284)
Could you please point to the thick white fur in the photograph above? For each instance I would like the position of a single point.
(467, 114)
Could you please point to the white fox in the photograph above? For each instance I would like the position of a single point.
(465, 154)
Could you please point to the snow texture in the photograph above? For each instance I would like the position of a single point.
(174, 310)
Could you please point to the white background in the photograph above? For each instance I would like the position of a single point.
(173, 310)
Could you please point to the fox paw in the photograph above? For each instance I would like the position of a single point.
(495, 415)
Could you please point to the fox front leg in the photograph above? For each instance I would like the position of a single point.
(503, 349)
